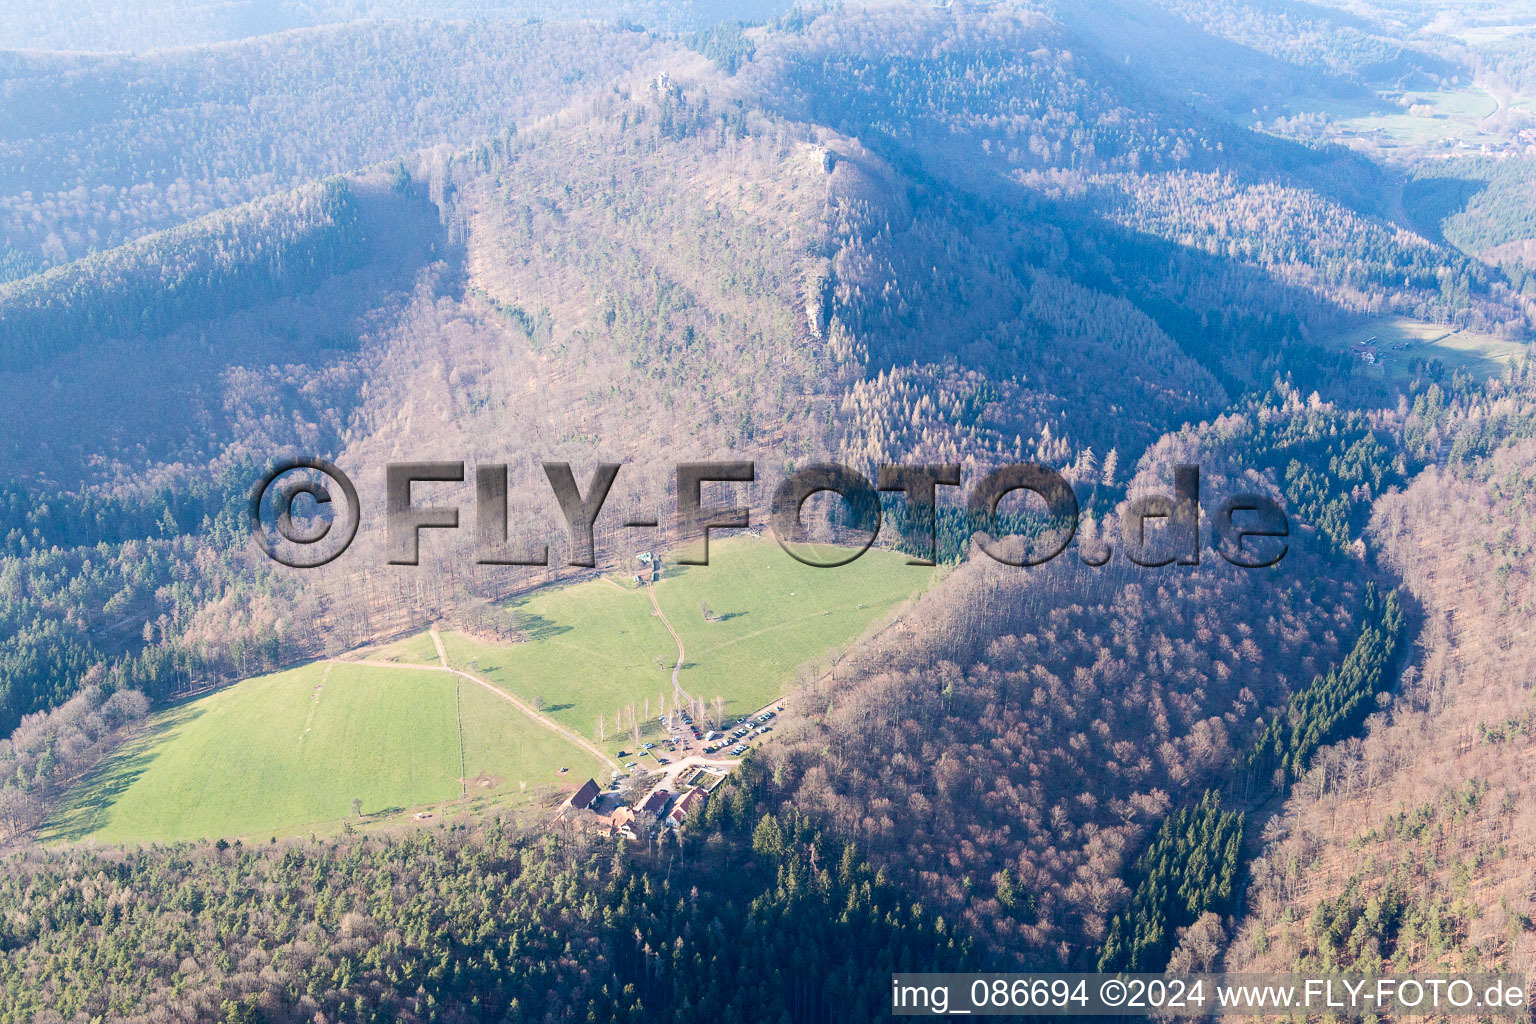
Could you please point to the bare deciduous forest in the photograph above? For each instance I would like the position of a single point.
(1290, 244)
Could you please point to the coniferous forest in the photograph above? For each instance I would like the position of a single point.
(1288, 245)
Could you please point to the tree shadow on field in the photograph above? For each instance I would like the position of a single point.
(84, 809)
(537, 627)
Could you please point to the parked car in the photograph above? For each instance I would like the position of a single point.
(631, 765)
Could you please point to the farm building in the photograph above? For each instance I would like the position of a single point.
(583, 797)
(684, 806)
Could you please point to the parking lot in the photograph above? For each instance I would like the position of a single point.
(684, 738)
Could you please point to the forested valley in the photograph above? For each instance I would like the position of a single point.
(1113, 238)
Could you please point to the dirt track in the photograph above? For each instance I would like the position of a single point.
(681, 693)
(543, 720)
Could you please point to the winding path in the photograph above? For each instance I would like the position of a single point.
(541, 719)
(1498, 104)
(681, 693)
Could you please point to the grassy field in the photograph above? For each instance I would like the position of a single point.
(597, 647)
(1456, 104)
(414, 650)
(1422, 119)
(1401, 340)
(1456, 115)
(770, 615)
(287, 754)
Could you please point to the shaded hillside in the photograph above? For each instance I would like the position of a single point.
(154, 141)
(140, 25)
(196, 273)
(782, 264)
(1412, 846)
(1200, 59)
(224, 321)
(1101, 163)
(123, 515)
(1330, 38)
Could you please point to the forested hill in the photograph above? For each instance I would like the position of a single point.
(468, 924)
(1411, 847)
(936, 270)
(198, 272)
(998, 99)
(1334, 39)
(158, 140)
(872, 234)
(143, 25)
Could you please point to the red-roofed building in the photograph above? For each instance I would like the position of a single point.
(583, 797)
(685, 804)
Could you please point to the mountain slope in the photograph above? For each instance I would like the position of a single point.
(1411, 847)
(158, 140)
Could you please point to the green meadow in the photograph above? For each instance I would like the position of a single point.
(1399, 341)
(413, 650)
(288, 753)
(1414, 118)
(749, 621)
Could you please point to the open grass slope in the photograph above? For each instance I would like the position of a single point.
(769, 615)
(413, 650)
(288, 753)
(1441, 118)
(1402, 344)
(598, 647)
